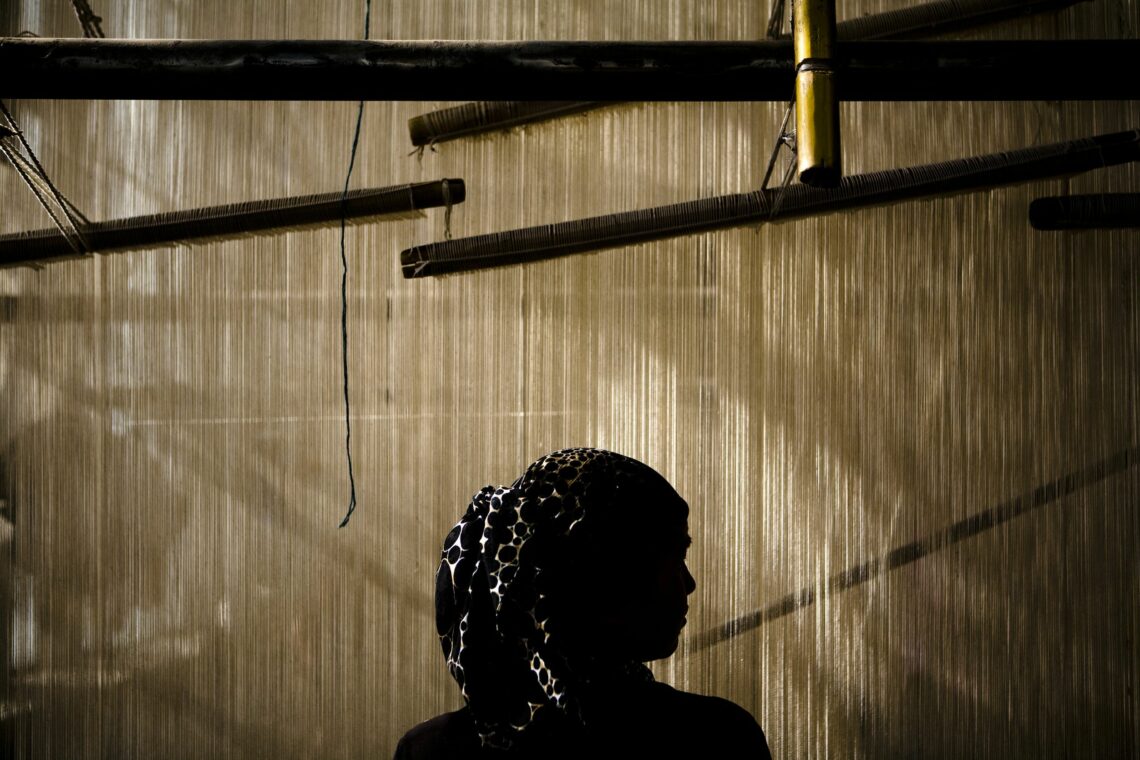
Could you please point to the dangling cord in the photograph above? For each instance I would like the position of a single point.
(344, 292)
(446, 211)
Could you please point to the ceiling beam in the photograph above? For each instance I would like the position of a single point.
(91, 69)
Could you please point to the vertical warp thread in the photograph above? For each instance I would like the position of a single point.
(344, 292)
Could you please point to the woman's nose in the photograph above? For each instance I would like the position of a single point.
(690, 581)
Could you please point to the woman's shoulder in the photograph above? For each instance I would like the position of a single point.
(721, 724)
(663, 720)
(449, 735)
(714, 707)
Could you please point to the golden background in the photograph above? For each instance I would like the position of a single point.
(821, 391)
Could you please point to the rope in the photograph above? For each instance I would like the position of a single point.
(34, 175)
(776, 19)
(87, 19)
(40, 191)
(787, 138)
(344, 293)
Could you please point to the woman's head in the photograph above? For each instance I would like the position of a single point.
(576, 568)
(619, 588)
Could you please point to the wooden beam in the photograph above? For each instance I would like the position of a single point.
(93, 69)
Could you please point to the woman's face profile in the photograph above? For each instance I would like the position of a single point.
(652, 607)
(631, 602)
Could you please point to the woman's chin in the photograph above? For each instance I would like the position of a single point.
(662, 648)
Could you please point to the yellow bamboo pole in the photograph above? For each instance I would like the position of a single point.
(819, 159)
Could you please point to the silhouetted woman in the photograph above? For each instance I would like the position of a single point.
(550, 597)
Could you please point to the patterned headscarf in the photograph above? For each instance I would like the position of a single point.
(496, 619)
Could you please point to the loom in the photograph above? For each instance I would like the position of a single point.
(906, 429)
(890, 186)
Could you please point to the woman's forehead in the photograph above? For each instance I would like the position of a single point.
(662, 529)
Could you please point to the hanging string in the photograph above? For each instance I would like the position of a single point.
(447, 210)
(344, 292)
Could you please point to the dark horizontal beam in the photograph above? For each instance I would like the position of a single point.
(213, 222)
(484, 116)
(674, 71)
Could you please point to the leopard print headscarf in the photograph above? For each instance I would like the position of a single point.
(493, 610)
